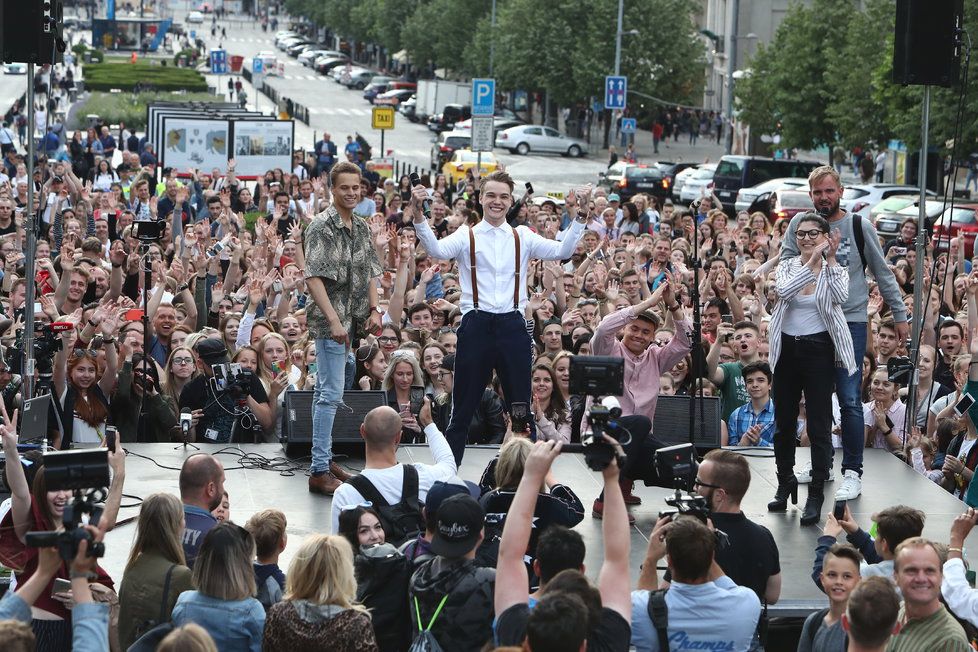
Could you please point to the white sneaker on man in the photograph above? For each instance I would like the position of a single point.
(851, 486)
(804, 475)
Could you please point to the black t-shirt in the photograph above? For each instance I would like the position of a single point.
(611, 634)
(221, 413)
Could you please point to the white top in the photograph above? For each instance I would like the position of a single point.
(802, 317)
(495, 252)
(389, 481)
(898, 416)
(960, 598)
(83, 434)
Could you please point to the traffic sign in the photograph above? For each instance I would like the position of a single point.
(483, 97)
(382, 117)
(629, 125)
(482, 133)
(615, 90)
(219, 62)
(193, 35)
(257, 66)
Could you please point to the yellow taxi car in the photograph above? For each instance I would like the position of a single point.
(465, 159)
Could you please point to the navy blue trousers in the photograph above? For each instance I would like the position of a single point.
(488, 341)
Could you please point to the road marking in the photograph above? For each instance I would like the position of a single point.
(317, 110)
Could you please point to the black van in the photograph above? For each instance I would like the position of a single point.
(736, 172)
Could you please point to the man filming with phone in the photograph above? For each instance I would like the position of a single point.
(493, 259)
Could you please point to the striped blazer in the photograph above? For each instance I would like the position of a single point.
(831, 291)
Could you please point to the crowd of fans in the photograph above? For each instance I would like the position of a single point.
(416, 554)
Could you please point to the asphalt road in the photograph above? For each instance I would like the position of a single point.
(342, 112)
(11, 88)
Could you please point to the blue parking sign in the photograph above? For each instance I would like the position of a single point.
(257, 65)
(483, 96)
(219, 62)
(629, 125)
(615, 91)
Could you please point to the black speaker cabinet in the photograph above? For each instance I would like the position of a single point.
(33, 31)
(671, 422)
(927, 45)
(297, 429)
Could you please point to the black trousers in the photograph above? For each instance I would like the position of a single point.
(806, 364)
(488, 341)
(640, 451)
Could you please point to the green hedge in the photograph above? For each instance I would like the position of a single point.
(106, 76)
(114, 108)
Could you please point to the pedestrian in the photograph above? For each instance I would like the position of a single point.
(656, 135)
(230, 89)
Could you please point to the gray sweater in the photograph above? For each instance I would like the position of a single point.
(856, 306)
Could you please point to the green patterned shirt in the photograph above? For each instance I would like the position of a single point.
(346, 262)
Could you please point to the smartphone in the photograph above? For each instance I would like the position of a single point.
(405, 196)
(519, 414)
(60, 586)
(276, 286)
(965, 402)
(417, 400)
(276, 369)
(134, 314)
(529, 188)
(900, 251)
(111, 437)
(37, 308)
(839, 511)
(311, 368)
(727, 319)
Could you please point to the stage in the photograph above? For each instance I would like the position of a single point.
(886, 482)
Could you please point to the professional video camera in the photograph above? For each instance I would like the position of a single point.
(598, 376)
(899, 370)
(47, 342)
(676, 465)
(233, 379)
(147, 231)
(75, 471)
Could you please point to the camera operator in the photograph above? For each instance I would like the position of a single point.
(705, 609)
(139, 387)
(217, 415)
(644, 364)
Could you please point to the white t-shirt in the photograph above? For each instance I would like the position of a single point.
(389, 481)
(81, 432)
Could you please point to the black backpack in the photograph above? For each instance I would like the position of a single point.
(383, 574)
(403, 520)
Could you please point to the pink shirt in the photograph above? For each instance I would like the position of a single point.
(641, 371)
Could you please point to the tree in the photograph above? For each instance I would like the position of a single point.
(455, 22)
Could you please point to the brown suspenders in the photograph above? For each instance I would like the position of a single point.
(475, 280)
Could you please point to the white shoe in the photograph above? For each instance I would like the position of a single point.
(851, 486)
(804, 476)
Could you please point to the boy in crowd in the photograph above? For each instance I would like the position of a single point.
(268, 528)
(752, 424)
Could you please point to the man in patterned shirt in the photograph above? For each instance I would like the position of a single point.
(341, 266)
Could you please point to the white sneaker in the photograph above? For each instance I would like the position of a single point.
(851, 486)
(804, 475)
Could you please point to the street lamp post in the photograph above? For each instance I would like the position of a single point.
(731, 67)
(618, 33)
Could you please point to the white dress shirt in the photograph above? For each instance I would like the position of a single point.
(960, 597)
(495, 252)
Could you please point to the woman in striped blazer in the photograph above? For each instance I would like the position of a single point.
(809, 338)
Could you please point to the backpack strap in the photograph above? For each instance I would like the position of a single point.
(472, 270)
(417, 610)
(409, 488)
(659, 615)
(164, 614)
(368, 490)
(860, 237)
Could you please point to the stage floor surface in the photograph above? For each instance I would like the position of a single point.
(886, 482)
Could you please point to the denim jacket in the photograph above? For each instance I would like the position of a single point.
(233, 624)
(89, 622)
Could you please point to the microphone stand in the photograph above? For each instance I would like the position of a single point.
(696, 337)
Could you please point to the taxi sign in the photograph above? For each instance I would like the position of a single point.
(382, 117)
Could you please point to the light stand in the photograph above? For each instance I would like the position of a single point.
(696, 337)
(30, 228)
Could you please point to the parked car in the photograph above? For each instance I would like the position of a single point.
(358, 78)
(408, 108)
(670, 170)
(299, 47)
(289, 41)
(698, 183)
(309, 56)
(736, 172)
(498, 124)
(445, 144)
(888, 224)
(611, 177)
(785, 204)
(889, 206)
(195, 17)
(465, 159)
(393, 97)
(961, 222)
(15, 68)
(537, 138)
(379, 84)
(747, 196)
(641, 178)
(861, 198)
(451, 115)
(324, 65)
(680, 181)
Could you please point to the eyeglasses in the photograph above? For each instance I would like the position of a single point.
(350, 508)
(442, 374)
(811, 234)
(447, 329)
(698, 483)
(386, 339)
(183, 361)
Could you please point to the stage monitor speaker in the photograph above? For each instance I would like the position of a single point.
(671, 423)
(297, 429)
(33, 31)
(935, 171)
(927, 42)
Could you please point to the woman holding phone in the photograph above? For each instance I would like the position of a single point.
(404, 384)
(279, 375)
(809, 337)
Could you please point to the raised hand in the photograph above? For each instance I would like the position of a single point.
(612, 292)
(217, 292)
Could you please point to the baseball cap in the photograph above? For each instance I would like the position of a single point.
(459, 526)
(649, 316)
(441, 491)
(212, 351)
(614, 197)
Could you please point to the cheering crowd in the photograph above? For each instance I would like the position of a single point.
(189, 306)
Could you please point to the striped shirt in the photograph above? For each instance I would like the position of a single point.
(831, 291)
(938, 632)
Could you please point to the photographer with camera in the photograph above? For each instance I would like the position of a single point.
(39, 510)
(702, 608)
(232, 406)
(644, 364)
(139, 388)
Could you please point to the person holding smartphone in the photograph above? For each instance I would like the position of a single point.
(809, 339)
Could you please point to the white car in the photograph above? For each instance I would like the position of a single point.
(698, 183)
(747, 196)
(861, 198)
(15, 68)
(195, 17)
(680, 181)
(537, 138)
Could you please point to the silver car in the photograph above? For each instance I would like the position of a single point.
(536, 138)
(747, 196)
(698, 184)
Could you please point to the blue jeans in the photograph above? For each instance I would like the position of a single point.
(330, 379)
(849, 391)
